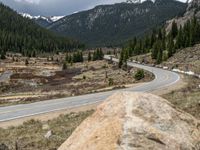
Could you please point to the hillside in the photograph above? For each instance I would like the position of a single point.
(187, 59)
(20, 34)
(138, 121)
(193, 9)
(113, 24)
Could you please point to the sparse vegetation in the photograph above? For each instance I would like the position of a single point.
(31, 135)
(188, 98)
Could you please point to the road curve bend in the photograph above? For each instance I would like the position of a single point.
(162, 79)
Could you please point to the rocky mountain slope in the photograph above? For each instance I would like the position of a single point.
(42, 20)
(187, 59)
(113, 24)
(193, 9)
(136, 121)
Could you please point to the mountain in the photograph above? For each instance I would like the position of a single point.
(113, 24)
(192, 10)
(20, 34)
(42, 20)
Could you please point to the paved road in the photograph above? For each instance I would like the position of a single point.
(162, 78)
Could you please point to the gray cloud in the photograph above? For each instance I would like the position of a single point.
(55, 7)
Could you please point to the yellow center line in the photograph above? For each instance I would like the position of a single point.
(12, 111)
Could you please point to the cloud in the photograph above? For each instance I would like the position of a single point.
(55, 7)
(29, 1)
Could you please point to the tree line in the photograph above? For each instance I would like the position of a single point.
(77, 56)
(163, 45)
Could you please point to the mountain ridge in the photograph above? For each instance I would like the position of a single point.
(42, 20)
(98, 26)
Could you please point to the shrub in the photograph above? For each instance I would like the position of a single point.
(64, 66)
(110, 81)
(84, 77)
(139, 74)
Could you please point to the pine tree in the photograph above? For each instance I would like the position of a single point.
(179, 39)
(174, 30)
(160, 34)
(64, 66)
(159, 56)
(170, 47)
(26, 62)
(3, 56)
(153, 38)
(155, 50)
(89, 56)
(121, 59)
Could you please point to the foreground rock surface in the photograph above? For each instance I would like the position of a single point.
(127, 121)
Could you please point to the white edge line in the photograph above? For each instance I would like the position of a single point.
(44, 112)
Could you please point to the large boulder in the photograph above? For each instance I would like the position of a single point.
(127, 121)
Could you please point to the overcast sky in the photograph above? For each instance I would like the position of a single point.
(55, 7)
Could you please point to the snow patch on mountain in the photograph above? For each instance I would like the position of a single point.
(49, 19)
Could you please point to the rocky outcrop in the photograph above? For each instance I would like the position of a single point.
(127, 121)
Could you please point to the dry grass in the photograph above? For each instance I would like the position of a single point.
(187, 99)
(78, 79)
(31, 135)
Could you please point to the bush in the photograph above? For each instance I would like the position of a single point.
(64, 66)
(3, 56)
(110, 81)
(84, 77)
(139, 75)
(26, 62)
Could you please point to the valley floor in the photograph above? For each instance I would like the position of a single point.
(43, 79)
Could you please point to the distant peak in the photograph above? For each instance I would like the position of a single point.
(49, 19)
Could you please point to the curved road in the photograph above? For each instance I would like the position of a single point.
(162, 78)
